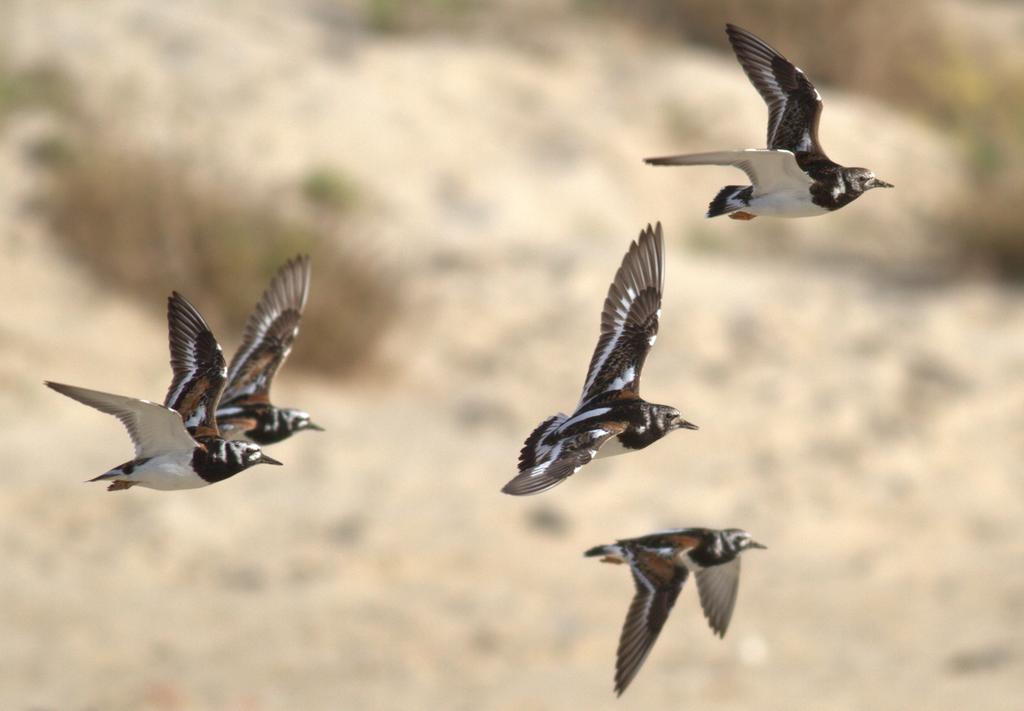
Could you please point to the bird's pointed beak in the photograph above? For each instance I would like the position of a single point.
(317, 428)
(881, 184)
(685, 425)
(264, 459)
(755, 544)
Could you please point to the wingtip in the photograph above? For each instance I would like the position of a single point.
(735, 30)
(300, 261)
(178, 307)
(649, 232)
(622, 684)
(508, 489)
(529, 484)
(181, 311)
(517, 488)
(58, 387)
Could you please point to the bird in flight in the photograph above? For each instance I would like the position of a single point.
(793, 177)
(661, 563)
(177, 444)
(245, 410)
(611, 418)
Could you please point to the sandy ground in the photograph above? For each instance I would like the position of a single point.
(868, 428)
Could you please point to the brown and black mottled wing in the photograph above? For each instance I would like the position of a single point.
(559, 461)
(658, 583)
(794, 105)
(676, 539)
(717, 587)
(629, 321)
(199, 368)
(539, 445)
(269, 333)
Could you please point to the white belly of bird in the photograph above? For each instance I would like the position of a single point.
(167, 472)
(784, 204)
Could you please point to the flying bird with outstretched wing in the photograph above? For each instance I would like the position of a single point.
(793, 177)
(661, 563)
(177, 444)
(611, 417)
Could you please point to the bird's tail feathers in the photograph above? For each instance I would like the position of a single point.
(540, 478)
(729, 199)
(534, 450)
(112, 474)
(611, 553)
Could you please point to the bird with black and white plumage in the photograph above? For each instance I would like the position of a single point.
(793, 177)
(177, 444)
(245, 410)
(611, 418)
(661, 563)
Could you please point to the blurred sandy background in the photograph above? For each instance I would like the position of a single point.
(468, 176)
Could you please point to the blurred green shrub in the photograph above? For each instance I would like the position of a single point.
(141, 225)
(986, 230)
(34, 87)
(409, 15)
(330, 189)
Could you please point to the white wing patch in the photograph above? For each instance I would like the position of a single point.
(585, 415)
(599, 363)
(550, 454)
(543, 466)
(626, 377)
(840, 186)
(556, 452)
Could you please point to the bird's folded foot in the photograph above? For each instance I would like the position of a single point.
(740, 215)
(120, 485)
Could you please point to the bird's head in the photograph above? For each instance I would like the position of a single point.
(861, 180)
(250, 454)
(739, 540)
(297, 420)
(674, 421)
